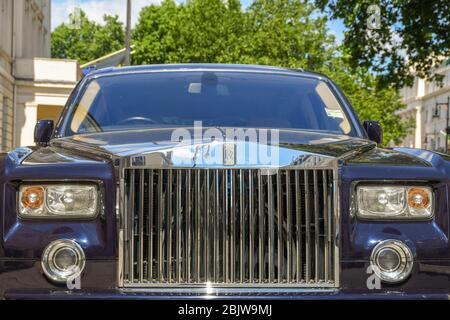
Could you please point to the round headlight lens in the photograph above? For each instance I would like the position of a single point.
(63, 260)
(388, 259)
(392, 261)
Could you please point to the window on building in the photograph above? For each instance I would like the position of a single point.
(436, 112)
(431, 144)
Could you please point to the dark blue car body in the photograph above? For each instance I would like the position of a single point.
(22, 241)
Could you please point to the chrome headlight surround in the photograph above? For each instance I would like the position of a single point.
(404, 267)
(401, 201)
(51, 268)
(43, 198)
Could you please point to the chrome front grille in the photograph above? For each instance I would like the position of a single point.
(228, 227)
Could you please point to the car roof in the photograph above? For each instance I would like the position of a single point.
(205, 66)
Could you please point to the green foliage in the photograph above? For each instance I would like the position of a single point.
(412, 35)
(109, 37)
(200, 31)
(287, 33)
(270, 32)
(85, 40)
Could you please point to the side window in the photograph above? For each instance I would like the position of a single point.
(82, 118)
(332, 108)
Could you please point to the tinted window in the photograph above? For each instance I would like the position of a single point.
(222, 99)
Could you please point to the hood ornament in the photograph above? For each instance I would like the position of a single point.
(229, 154)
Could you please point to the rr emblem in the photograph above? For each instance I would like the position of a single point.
(229, 154)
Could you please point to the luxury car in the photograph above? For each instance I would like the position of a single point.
(219, 181)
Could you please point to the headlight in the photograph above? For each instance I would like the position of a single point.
(392, 261)
(394, 202)
(59, 200)
(63, 259)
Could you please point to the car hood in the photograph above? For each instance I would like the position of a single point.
(158, 148)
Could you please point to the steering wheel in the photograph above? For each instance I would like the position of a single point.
(137, 119)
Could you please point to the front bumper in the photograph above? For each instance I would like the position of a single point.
(24, 280)
(225, 295)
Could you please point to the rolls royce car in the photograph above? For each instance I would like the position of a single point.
(219, 181)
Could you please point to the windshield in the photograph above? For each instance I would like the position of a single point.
(218, 99)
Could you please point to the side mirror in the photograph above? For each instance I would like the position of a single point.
(43, 132)
(374, 131)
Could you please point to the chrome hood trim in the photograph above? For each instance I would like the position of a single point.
(126, 143)
(212, 155)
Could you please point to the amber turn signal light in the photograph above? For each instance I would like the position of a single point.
(33, 197)
(419, 198)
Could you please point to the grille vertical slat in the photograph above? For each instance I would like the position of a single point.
(232, 224)
(141, 228)
(150, 228)
(225, 257)
(132, 227)
(331, 204)
(127, 214)
(197, 234)
(250, 226)
(178, 212)
(288, 227)
(326, 225)
(308, 229)
(242, 238)
(280, 227)
(229, 227)
(261, 229)
(299, 242)
(187, 253)
(316, 227)
(169, 217)
(207, 217)
(216, 227)
(160, 226)
(271, 214)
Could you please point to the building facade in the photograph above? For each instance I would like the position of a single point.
(427, 103)
(32, 86)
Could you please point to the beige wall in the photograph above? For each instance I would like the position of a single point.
(421, 100)
(44, 86)
(29, 80)
(30, 19)
(47, 70)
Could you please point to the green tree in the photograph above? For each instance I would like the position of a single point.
(411, 35)
(85, 40)
(110, 37)
(286, 33)
(198, 31)
(157, 35)
(275, 32)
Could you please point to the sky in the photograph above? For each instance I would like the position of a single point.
(95, 10)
